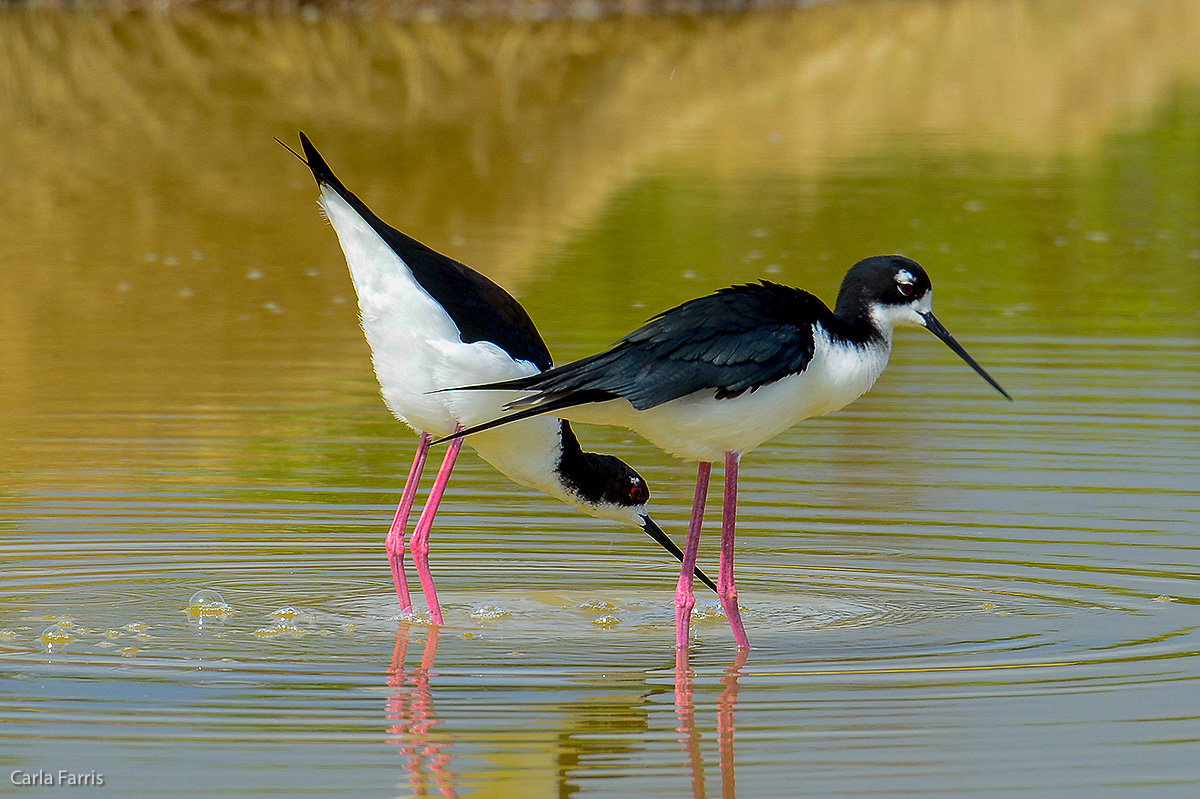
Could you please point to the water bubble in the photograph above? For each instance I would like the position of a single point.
(286, 613)
(282, 628)
(57, 636)
(608, 621)
(488, 612)
(207, 603)
(413, 617)
(127, 651)
(709, 610)
(598, 605)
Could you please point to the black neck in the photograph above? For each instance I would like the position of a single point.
(588, 474)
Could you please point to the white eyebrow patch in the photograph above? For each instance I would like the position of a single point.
(904, 276)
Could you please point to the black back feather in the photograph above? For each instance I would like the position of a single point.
(480, 309)
(732, 341)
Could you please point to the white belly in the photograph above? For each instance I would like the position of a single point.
(415, 346)
(700, 427)
(417, 350)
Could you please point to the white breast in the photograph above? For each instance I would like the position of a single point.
(415, 345)
(416, 349)
(701, 427)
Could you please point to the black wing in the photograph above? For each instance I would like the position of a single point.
(733, 341)
(730, 342)
(482, 310)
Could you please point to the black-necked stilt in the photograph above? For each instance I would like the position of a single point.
(719, 375)
(433, 323)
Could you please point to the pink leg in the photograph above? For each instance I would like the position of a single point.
(685, 600)
(419, 543)
(726, 590)
(395, 537)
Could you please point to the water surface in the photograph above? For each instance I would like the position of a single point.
(945, 592)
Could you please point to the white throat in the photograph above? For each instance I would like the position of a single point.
(888, 317)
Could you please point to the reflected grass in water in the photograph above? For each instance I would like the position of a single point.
(944, 593)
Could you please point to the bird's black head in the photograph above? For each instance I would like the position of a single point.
(886, 291)
(882, 280)
(601, 485)
(608, 480)
(609, 487)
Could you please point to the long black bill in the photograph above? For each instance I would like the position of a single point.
(936, 328)
(664, 540)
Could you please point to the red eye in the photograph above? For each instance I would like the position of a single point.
(639, 493)
(906, 289)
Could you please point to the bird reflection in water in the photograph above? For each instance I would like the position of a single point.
(413, 722)
(410, 709)
(685, 710)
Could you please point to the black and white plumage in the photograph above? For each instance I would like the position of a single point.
(717, 376)
(745, 362)
(433, 323)
(734, 341)
(739, 339)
